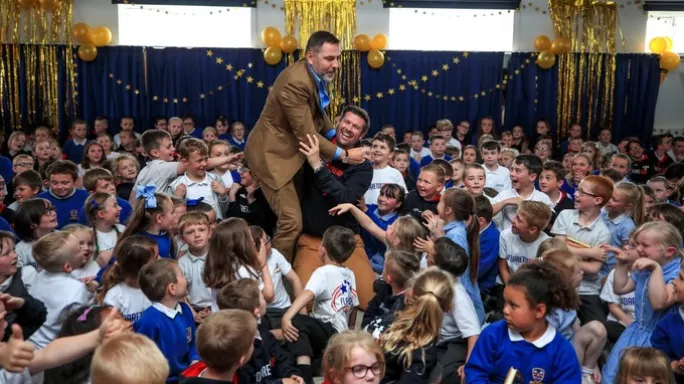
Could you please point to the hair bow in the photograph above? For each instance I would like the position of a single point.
(147, 192)
(84, 316)
(193, 202)
(95, 204)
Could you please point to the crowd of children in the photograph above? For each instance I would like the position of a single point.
(498, 258)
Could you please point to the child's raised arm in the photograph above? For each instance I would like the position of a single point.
(364, 221)
(268, 290)
(660, 293)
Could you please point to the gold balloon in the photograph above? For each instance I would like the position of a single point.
(288, 44)
(362, 43)
(546, 59)
(99, 36)
(49, 5)
(375, 58)
(669, 61)
(379, 41)
(80, 32)
(657, 45)
(542, 43)
(561, 45)
(668, 41)
(273, 55)
(87, 52)
(270, 36)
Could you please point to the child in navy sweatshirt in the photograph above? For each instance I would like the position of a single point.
(525, 341)
(270, 362)
(63, 194)
(669, 333)
(168, 322)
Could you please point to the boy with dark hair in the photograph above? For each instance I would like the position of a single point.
(100, 180)
(62, 192)
(224, 342)
(622, 163)
(550, 182)
(575, 131)
(677, 151)
(27, 185)
(437, 150)
(489, 244)
(270, 362)
(127, 124)
(169, 322)
(74, 147)
(496, 176)
(332, 289)
(401, 162)
(382, 152)
(418, 149)
(611, 174)
(189, 127)
(606, 147)
(661, 145)
(643, 166)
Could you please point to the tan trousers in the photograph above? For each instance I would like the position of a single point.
(308, 260)
(285, 204)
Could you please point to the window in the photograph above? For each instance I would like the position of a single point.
(185, 26)
(451, 29)
(666, 24)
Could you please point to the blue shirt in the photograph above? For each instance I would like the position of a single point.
(126, 211)
(323, 98)
(414, 168)
(456, 231)
(74, 151)
(5, 226)
(620, 228)
(375, 249)
(428, 159)
(163, 243)
(549, 359)
(6, 169)
(235, 143)
(173, 330)
(67, 208)
(669, 336)
(489, 254)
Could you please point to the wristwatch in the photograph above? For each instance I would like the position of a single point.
(345, 159)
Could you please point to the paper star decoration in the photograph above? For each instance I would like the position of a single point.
(356, 99)
(456, 60)
(250, 79)
(445, 67)
(378, 95)
(391, 91)
(367, 98)
(435, 73)
(155, 98)
(402, 87)
(260, 84)
(229, 67)
(219, 61)
(424, 78)
(210, 53)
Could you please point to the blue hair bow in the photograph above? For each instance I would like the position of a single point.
(193, 202)
(147, 191)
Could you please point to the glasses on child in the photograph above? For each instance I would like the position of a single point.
(360, 371)
(49, 211)
(268, 239)
(25, 165)
(581, 193)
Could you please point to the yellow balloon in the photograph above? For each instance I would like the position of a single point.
(273, 55)
(49, 5)
(379, 42)
(80, 32)
(546, 59)
(100, 36)
(669, 61)
(288, 44)
(87, 52)
(657, 45)
(362, 43)
(542, 43)
(375, 58)
(668, 42)
(561, 45)
(271, 37)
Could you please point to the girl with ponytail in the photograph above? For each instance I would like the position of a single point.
(409, 344)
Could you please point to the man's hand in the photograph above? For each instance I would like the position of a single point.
(355, 156)
(312, 151)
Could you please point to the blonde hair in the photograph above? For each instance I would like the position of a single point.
(561, 259)
(644, 362)
(54, 250)
(551, 244)
(407, 229)
(536, 213)
(337, 354)
(225, 337)
(418, 324)
(129, 358)
(570, 177)
(665, 233)
(635, 194)
(192, 218)
(116, 163)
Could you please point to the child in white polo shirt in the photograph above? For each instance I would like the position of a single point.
(498, 177)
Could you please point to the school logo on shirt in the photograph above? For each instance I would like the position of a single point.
(188, 334)
(344, 293)
(74, 215)
(538, 374)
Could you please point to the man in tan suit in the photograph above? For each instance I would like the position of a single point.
(295, 108)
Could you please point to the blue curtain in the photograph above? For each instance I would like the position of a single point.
(468, 81)
(209, 83)
(531, 94)
(637, 81)
(113, 85)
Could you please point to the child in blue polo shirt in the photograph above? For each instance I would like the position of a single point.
(67, 200)
(168, 322)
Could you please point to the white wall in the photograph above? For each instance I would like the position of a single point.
(372, 19)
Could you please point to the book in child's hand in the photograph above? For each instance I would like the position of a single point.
(576, 243)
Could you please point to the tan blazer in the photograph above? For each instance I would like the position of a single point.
(292, 111)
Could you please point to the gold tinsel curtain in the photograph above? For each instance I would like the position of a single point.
(586, 76)
(339, 18)
(34, 34)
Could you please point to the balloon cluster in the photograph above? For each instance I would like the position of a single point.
(663, 46)
(276, 45)
(373, 46)
(549, 49)
(90, 39)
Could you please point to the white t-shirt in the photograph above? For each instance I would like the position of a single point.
(90, 269)
(499, 179)
(24, 251)
(113, 155)
(424, 151)
(457, 144)
(158, 172)
(227, 179)
(595, 234)
(626, 302)
(193, 268)
(243, 272)
(334, 289)
(517, 252)
(61, 294)
(131, 302)
(510, 210)
(106, 241)
(387, 175)
(15, 378)
(462, 320)
(278, 266)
